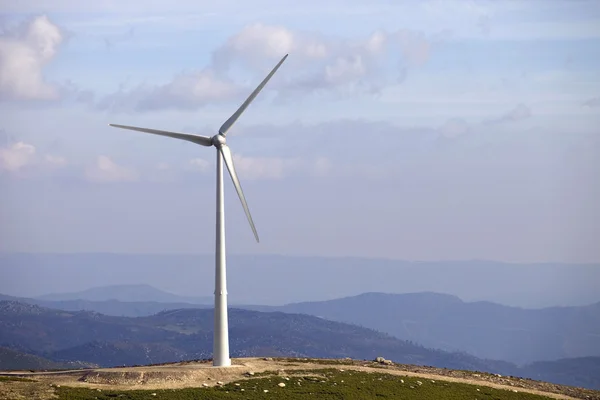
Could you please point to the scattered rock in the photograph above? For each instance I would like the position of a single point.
(382, 360)
(268, 359)
(281, 384)
(219, 382)
(205, 384)
(266, 391)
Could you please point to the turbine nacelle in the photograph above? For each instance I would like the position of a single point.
(218, 140)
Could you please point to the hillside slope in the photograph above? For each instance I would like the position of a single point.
(187, 334)
(484, 329)
(11, 359)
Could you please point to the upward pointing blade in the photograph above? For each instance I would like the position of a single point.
(229, 123)
(226, 153)
(201, 140)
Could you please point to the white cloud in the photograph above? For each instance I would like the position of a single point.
(258, 44)
(56, 160)
(189, 90)
(260, 40)
(163, 166)
(324, 62)
(593, 102)
(17, 156)
(316, 63)
(454, 127)
(322, 166)
(255, 168)
(267, 168)
(274, 168)
(23, 54)
(106, 170)
(520, 112)
(199, 164)
(345, 69)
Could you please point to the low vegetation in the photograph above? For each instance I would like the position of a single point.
(15, 379)
(317, 384)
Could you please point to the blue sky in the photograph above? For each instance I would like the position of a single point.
(411, 130)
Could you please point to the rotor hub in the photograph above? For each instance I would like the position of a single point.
(218, 140)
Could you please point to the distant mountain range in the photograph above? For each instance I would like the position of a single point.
(483, 329)
(126, 293)
(83, 338)
(187, 334)
(251, 278)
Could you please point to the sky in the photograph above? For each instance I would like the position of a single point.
(430, 130)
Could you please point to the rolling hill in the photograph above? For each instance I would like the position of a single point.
(11, 359)
(89, 337)
(484, 329)
(187, 333)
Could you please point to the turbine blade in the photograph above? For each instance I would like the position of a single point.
(226, 153)
(229, 123)
(198, 139)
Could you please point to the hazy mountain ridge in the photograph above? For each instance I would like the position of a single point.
(58, 335)
(89, 337)
(108, 307)
(484, 329)
(250, 277)
(582, 371)
(126, 293)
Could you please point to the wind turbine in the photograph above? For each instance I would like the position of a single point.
(221, 330)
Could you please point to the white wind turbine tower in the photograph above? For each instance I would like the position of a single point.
(221, 330)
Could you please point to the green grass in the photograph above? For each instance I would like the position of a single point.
(317, 384)
(15, 379)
